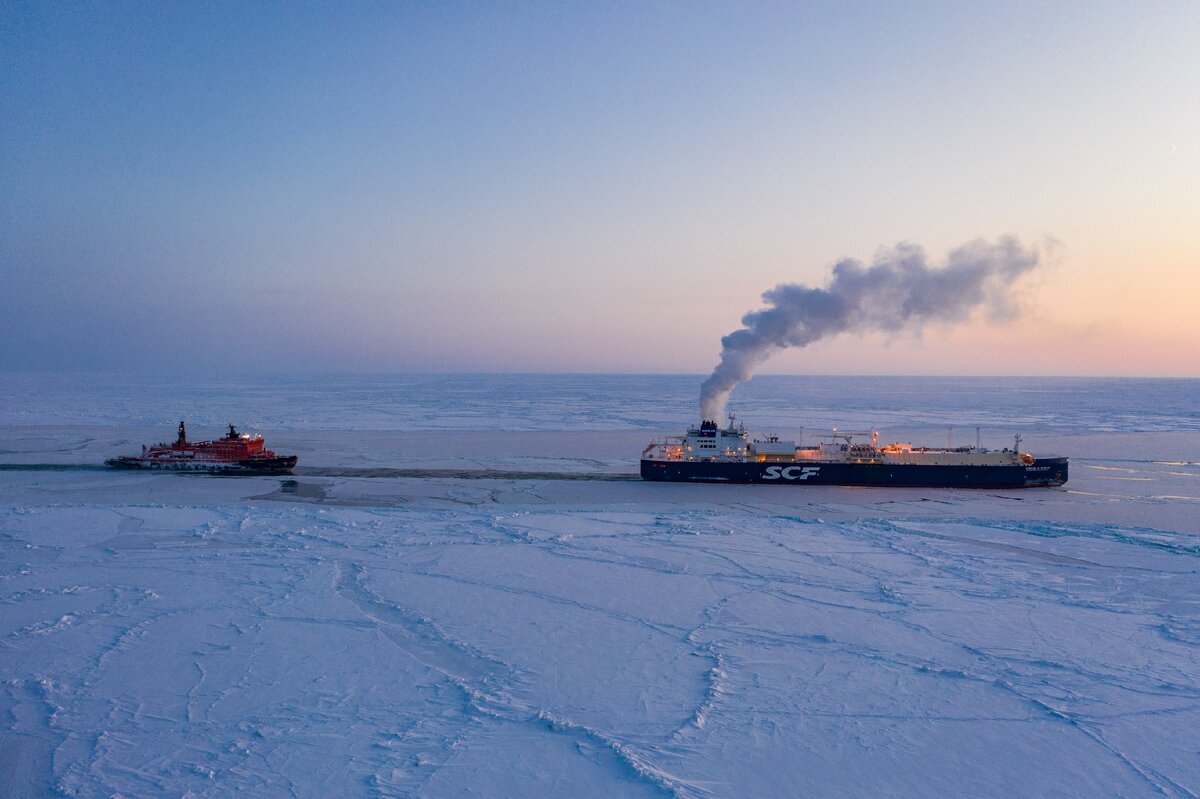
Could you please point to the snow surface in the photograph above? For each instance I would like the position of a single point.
(338, 634)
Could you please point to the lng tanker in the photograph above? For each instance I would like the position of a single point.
(708, 454)
(235, 453)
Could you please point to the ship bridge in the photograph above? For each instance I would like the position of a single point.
(708, 441)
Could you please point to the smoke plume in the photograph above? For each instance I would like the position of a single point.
(899, 291)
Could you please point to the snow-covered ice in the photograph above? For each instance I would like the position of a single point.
(176, 635)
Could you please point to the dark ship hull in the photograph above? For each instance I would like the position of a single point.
(1044, 472)
(250, 466)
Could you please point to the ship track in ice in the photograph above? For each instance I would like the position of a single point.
(464, 474)
(358, 472)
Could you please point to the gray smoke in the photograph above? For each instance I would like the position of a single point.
(899, 291)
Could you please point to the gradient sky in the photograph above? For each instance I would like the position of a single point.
(584, 187)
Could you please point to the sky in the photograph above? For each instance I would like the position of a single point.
(586, 187)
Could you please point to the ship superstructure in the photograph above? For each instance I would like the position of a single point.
(234, 453)
(711, 454)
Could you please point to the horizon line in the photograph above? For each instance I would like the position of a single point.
(292, 373)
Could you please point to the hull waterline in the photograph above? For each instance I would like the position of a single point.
(278, 465)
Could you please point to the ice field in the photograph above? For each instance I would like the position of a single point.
(442, 603)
